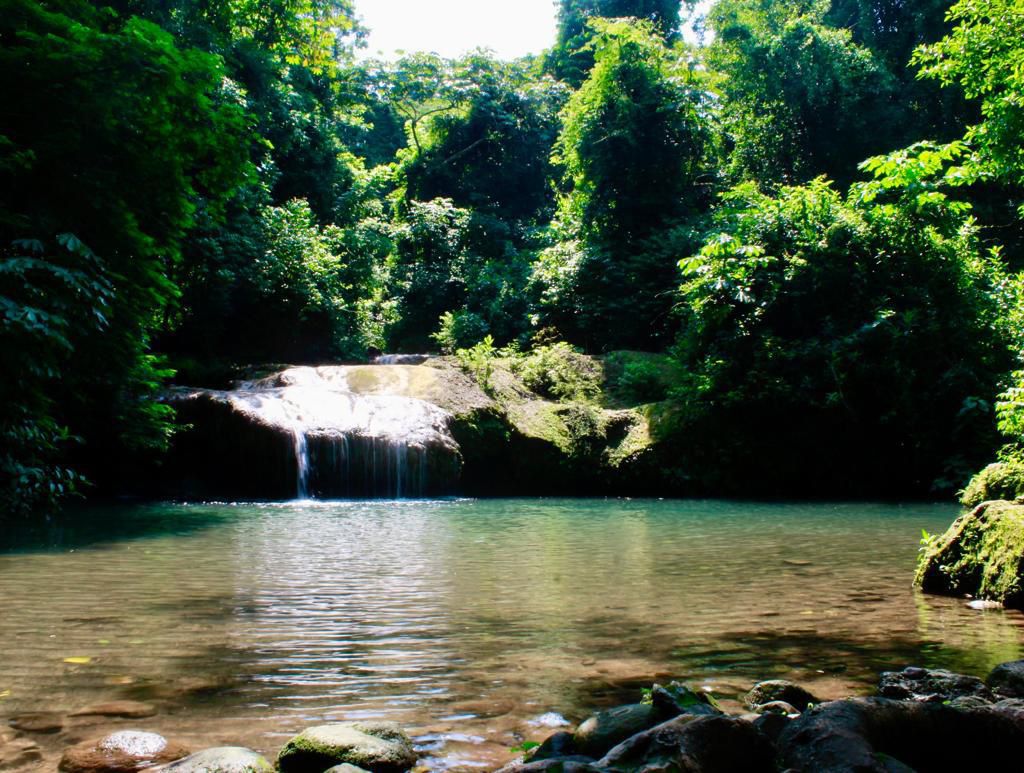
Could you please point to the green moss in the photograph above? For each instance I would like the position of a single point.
(1002, 480)
(981, 554)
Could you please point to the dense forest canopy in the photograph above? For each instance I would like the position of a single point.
(817, 213)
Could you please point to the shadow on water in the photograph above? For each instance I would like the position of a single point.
(85, 526)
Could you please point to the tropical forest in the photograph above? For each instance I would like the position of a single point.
(648, 397)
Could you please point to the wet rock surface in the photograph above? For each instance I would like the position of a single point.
(779, 690)
(124, 709)
(936, 685)
(378, 746)
(601, 732)
(121, 752)
(1007, 679)
(224, 759)
(879, 734)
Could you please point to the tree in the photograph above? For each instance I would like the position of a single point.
(572, 55)
(842, 346)
(800, 98)
(111, 133)
(637, 152)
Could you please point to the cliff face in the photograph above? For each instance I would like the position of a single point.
(407, 430)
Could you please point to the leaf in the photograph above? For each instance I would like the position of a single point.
(78, 660)
(5, 694)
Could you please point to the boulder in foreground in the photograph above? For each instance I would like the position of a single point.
(378, 746)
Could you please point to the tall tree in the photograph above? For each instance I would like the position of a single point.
(111, 133)
(572, 55)
(636, 147)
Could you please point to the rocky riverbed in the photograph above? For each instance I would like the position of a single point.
(919, 720)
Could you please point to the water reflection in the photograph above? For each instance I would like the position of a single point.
(466, 619)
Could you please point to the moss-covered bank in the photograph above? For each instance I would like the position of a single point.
(981, 555)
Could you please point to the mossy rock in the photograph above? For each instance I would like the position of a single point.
(378, 746)
(223, 759)
(1002, 480)
(981, 555)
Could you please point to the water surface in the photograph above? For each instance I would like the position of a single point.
(464, 620)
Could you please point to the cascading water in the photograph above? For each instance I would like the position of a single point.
(348, 442)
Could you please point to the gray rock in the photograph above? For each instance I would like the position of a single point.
(772, 725)
(695, 744)
(931, 686)
(346, 768)
(378, 746)
(779, 690)
(877, 735)
(555, 746)
(125, 751)
(601, 732)
(1007, 679)
(223, 759)
(676, 698)
(560, 765)
(776, 707)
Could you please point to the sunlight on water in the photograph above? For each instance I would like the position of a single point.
(465, 620)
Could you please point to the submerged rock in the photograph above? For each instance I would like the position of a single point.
(38, 722)
(125, 709)
(876, 735)
(981, 554)
(223, 759)
(122, 752)
(378, 746)
(931, 685)
(696, 744)
(601, 732)
(1007, 679)
(779, 690)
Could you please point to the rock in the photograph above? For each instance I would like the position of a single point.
(346, 768)
(378, 746)
(223, 759)
(1007, 679)
(126, 709)
(122, 752)
(555, 746)
(981, 554)
(776, 707)
(601, 732)
(779, 690)
(17, 753)
(38, 722)
(676, 698)
(919, 684)
(695, 744)
(871, 735)
(772, 725)
(560, 765)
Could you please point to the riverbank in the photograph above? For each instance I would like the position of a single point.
(919, 719)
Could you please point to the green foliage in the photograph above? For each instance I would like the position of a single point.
(636, 149)
(801, 98)
(459, 329)
(984, 54)
(478, 361)
(572, 56)
(559, 372)
(860, 335)
(120, 161)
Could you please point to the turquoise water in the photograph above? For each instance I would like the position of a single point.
(464, 620)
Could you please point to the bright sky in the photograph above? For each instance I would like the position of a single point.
(511, 28)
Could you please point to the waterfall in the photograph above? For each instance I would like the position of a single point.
(348, 442)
